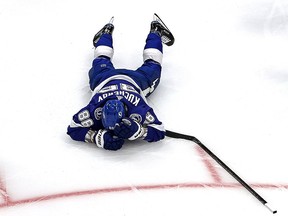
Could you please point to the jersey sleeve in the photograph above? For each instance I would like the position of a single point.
(81, 126)
(155, 128)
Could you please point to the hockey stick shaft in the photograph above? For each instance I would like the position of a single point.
(221, 163)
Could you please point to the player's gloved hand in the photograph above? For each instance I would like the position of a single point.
(153, 134)
(105, 139)
(128, 129)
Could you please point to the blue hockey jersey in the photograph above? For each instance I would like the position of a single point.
(121, 87)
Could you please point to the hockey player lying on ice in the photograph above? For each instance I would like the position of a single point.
(118, 109)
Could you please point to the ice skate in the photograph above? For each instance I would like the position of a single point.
(107, 29)
(158, 26)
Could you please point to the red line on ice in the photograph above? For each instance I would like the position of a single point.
(208, 163)
(3, 192)
(10, 203)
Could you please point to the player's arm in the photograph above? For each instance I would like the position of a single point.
(155, 128)
(80, 126)
(151, 130)
(80, 129)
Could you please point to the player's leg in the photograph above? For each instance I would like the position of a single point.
(153, 53)
(103, 53)
(102, 41)
(151, 68)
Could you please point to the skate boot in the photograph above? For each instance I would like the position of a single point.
(107, 29)
(158, 27)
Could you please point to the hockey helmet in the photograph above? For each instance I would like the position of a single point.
(112, 113)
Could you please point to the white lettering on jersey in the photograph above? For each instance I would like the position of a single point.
(130, 97)
(103, 96)
(149, 118)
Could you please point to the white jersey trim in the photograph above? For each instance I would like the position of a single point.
(154, 54)
(103, 50)
(158, 127)
(120, 77)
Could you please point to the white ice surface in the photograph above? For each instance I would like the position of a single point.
(225, 81)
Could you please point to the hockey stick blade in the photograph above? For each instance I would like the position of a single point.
(176, 135)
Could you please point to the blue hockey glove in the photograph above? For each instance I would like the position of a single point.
(153, 134)
(105, 139)
(128, 129)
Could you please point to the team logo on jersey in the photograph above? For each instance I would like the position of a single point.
(136, 117)
(119, 97)
(98, 113)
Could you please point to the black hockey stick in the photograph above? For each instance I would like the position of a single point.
(221, 163)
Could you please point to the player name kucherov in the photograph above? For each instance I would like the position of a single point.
(129, 96)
